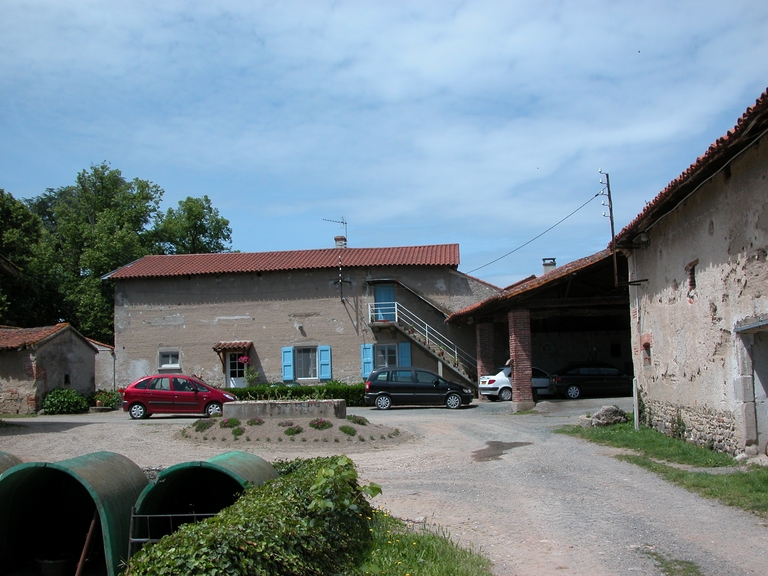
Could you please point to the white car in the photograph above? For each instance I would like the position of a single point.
(499, 386)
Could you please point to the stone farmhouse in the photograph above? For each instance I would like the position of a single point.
(34, 361)
(699, 294)
(303, 316)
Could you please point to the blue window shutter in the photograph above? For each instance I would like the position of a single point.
(366, 359)
(324, 362)
(288, 364)
(404, 353)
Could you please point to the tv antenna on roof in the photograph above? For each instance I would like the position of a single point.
(342, 222)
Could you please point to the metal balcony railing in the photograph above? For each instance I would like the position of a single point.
(419, 330)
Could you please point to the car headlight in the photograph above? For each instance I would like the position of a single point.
(467, 391)
(229, 397)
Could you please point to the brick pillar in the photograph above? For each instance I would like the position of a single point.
(485, 356)
(520, 353)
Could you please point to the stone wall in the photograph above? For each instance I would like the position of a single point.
(714, 429)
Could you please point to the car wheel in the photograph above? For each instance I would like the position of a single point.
(453, 401)
(505, 395)
(383, 402)
(138, 411)
(572, 392)
(213, 409)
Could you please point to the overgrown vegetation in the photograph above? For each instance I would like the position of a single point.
(64, 401)
(359, 420)
(313, 520)
(353, 394)
(745, 488)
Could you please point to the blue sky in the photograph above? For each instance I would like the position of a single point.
(477, 123)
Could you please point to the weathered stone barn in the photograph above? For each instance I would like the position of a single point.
(699, 294)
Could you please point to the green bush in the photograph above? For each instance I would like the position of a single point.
(354, 394)
(255, 422)
(320, 424)
(293, 430)
(313, 520)
(108, 398)
(229, 423)
(202, 425)
(359, 420)
(238, 431)
(61, 401)
(348, 430)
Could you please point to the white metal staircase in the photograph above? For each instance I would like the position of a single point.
(386, 314)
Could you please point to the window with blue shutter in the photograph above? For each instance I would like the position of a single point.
(324, 362)
(366, 359)
(288, 364)
(404, 353)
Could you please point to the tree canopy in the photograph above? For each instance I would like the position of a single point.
(59, 245)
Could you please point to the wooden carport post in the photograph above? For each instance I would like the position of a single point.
(520, 353)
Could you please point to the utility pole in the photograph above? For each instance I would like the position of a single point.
(606, 191)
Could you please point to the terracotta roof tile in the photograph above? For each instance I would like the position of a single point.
(752, 125)
(232, 345)
(239, 262)
(529, 284)
(12, 338)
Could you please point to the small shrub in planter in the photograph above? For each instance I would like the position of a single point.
(238, 431)
(202, 425)
(360, 420)
(61, 401)
(108, 398)
(229, 423)
(320, 424)
(293, 430)
(348, 430)
(255, 422)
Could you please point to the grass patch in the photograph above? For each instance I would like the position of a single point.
(746, 489)
(673, 566)
(652, 444)
(399, 548)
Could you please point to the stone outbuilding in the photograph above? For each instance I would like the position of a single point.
(305, 316)
(571, 313)
(34, 361)
(699, 294)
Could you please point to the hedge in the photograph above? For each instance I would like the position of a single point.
(354, 394)
(312, 520)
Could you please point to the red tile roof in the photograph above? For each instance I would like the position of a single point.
(232, 345)
(12, 338)
(529, 284)
(752, 125)
(239, 262)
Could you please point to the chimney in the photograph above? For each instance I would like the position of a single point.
(548, 264)
(341, 241)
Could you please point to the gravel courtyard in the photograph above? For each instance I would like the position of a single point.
(533, 501)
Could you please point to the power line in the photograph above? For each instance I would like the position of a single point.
(535, 237)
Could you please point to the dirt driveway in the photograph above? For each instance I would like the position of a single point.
(533, 501)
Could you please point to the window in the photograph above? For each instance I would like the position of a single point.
(169, 360)
(386, 355)
(304, 362)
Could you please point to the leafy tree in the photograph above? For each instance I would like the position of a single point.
(80, 233)
(195, 227)
(30, 274)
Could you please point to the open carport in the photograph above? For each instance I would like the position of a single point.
(54, 514)
(191, 491)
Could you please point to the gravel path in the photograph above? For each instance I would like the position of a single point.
(533, 501)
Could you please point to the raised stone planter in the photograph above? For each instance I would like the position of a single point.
(286, 409)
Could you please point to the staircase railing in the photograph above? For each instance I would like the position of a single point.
(418, 329)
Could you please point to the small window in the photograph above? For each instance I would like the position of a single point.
(386, 355)
(169, 360)
(425, 377)
(647, 354)
(236, 368)
(306, 362)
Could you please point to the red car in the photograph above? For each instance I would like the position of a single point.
(173, 394)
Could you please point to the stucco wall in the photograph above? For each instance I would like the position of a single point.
(192, 313)
(64, 361)
(699, 366)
